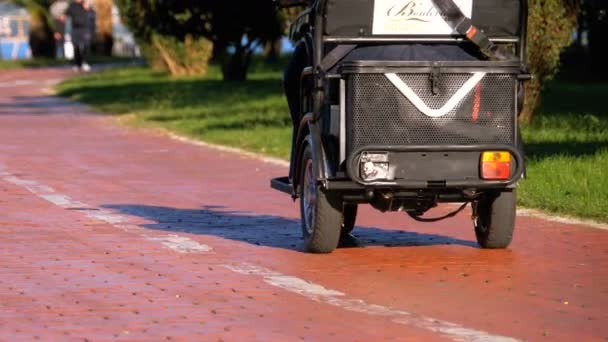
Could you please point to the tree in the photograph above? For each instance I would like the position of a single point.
(550, 27)
(237, 28)
(596, 15)
(103, 27)
(272, 49)
(171, 34)
(42, 42)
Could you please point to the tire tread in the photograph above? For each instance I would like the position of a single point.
(496, 220)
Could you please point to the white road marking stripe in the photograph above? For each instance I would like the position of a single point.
(292, 284)
(180, 244)
(106, 216)
(321, 294)
(17, 83)
(60, 200)
(23, 83)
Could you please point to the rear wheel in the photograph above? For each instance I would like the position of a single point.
(349, 216)
(495, 219)
(320, 210)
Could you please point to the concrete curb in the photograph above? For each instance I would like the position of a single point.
(235, 150)
(525, 212)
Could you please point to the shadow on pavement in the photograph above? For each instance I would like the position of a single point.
(38, 105)
(266, 230)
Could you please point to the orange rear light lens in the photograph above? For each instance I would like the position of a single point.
(495, 165)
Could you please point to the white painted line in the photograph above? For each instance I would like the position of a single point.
(16, 83)
(321, 294)
(60, 200)
(24, 82)
(292, 284)
(106, 216)
(180, 244)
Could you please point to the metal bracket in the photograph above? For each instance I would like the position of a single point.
(435, 78)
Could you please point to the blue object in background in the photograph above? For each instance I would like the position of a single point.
(14, 31)
(23, 51)
(17, 49)
(286, 46)
(6, 49)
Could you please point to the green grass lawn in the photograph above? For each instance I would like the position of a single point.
(567, 144)
(252, 115)
(30, 63)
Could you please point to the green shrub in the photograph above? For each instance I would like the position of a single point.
(180, 58)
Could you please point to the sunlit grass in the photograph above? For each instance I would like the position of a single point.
(567, 146)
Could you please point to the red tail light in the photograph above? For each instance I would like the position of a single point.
(495, 165)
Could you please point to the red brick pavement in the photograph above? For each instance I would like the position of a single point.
(67, 275)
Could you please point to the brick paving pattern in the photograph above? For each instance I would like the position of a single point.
(94, 216)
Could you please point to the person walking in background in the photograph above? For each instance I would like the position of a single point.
(57, 10)
(78, 12)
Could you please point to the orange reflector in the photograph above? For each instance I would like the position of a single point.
(495, 165)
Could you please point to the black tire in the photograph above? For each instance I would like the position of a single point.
(320, 211)
(495, 219)
(349, 216)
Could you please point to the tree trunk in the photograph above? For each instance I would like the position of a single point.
(42, 42)
(235, 66)
(272, 51)
(532, 101)
(103, 27)
(219, 52)
(598, 28)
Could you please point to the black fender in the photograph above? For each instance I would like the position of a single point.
(309, 134)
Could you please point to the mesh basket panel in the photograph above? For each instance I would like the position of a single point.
(379, 114)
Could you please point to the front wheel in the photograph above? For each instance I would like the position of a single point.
(320, 210)
(494, 219)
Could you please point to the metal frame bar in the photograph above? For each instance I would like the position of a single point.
(342, 121)
(432, 39)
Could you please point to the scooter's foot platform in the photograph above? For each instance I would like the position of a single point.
(282, 184)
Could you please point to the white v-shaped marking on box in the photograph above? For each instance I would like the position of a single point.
(447, 107)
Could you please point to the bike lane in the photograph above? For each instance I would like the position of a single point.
(551, 283)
